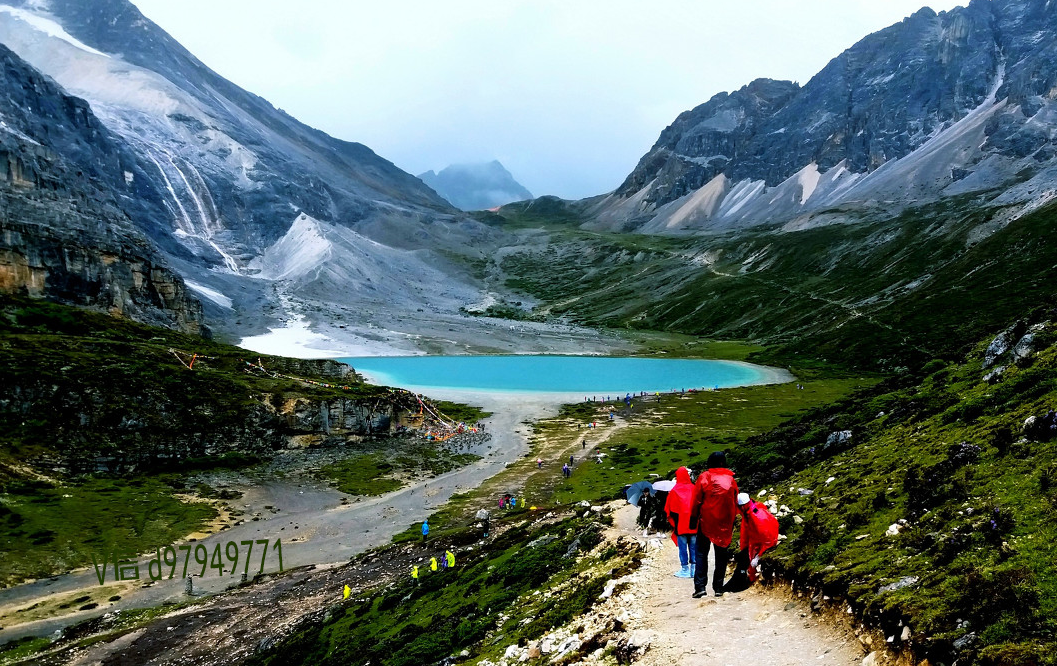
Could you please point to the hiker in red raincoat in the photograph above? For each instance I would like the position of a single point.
(677, 507)
(759, 532)
(714, 509)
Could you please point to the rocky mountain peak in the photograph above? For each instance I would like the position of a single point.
(936, 105)
(476, 186)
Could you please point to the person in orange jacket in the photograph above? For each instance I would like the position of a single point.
(759, 532)
(678, 507)
(714, 509)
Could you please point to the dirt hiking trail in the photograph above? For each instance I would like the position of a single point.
(758, 626)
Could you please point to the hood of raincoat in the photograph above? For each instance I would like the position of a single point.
(680, 504)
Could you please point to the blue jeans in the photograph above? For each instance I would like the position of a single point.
(687, 549)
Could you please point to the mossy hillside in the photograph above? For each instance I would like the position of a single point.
(461, 413)
(875, 294)
(671, 431)
(81, 385)
(519, 586)
(972, 572)
(382, 472)
(46, 529)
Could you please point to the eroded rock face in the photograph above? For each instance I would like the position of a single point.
(935, 106)
(121, 429)
(62, 236)
(70, 264)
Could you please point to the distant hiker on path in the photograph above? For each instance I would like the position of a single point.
(425, 530)
(679, 507)
(449, 559)
(539, 463)
(759, 532)
(714, 510)
(414, 572)
(565, 471)
(583, 444)
(432, 564)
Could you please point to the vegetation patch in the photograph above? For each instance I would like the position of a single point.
(529, 579)
(46, 528)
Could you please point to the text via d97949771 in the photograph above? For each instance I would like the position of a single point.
(169, 559)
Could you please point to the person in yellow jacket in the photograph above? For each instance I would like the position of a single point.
(432, 564)
(414, 572)
(346, 592)
(450, 558)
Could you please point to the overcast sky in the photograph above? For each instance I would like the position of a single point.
(567, 94)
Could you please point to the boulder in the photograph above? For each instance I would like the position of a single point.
(1024, 348)
(839, 438)
(995, 350)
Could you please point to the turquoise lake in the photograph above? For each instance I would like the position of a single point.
(589, 375)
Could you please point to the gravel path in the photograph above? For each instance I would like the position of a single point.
(760, 626)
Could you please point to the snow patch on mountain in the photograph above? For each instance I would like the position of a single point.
(294, 338)
(742, 193)
(47, 26)
(209, 293)
(808, 178)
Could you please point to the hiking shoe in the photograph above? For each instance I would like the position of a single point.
(700, 593)
(720, 593)
(683, 573)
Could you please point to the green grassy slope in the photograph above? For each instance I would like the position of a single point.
(941, 453)
(490, 600)
(79, 386)
(972, 571)
(876, 294)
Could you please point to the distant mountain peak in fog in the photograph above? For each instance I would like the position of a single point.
(476, 186)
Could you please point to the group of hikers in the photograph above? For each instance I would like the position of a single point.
(446, 562)
(702, 516)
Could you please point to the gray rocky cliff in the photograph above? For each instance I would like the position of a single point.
(62, 235)
(264, 215)
(936, 106)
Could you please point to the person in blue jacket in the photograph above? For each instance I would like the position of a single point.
(425, 530)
